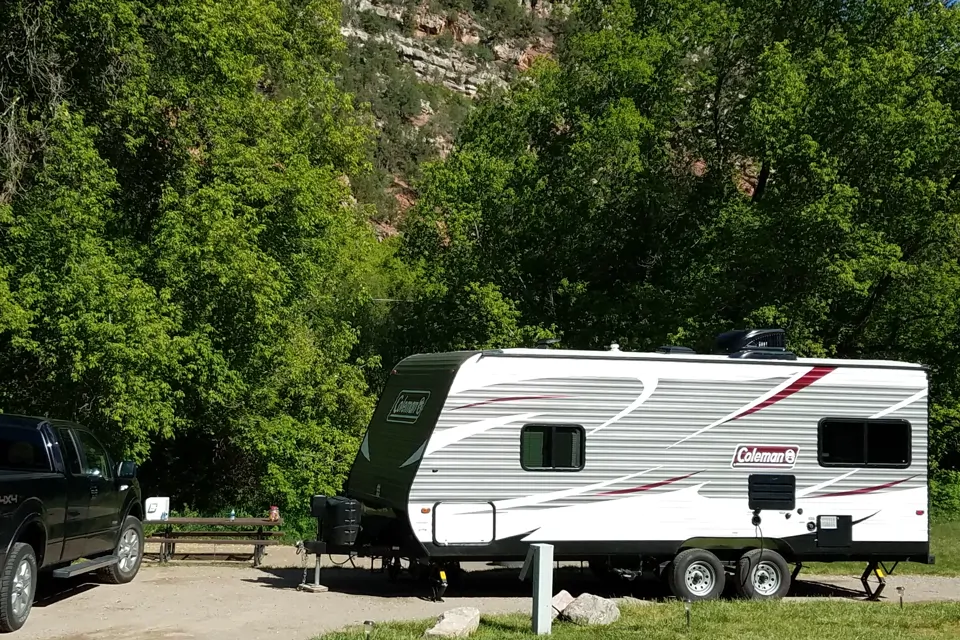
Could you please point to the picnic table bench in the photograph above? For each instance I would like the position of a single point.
(167, 537)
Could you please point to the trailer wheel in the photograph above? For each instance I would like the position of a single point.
(666, 575)
(697, 575)
(762, 575)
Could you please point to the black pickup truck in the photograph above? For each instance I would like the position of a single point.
(62, 499)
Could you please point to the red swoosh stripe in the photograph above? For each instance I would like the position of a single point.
(646, 487)
(508, 399)
(857, 492)
(800, 383)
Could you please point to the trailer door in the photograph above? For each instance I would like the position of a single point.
(464, 523)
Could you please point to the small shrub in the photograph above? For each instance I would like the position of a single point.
(945, 495)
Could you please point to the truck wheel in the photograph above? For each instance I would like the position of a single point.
(762, 575)
(697, 575)
(129, 553)
(17, 587)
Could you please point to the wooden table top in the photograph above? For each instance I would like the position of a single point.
(223, 522)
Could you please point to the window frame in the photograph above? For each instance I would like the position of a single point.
(581, 434)
(866, 422)
(67, 439)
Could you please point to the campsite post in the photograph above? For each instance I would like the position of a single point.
(541, 557)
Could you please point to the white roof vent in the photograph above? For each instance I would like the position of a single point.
(614, 346)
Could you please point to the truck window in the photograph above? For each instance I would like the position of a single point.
(95, 457)
(69, 450)
(22, 449)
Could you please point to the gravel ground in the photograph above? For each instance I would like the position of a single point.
(217, 602)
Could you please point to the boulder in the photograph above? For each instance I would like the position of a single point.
(588, 609)
(455, 623)
(560, 602)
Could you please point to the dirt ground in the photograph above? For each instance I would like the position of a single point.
(215, 601)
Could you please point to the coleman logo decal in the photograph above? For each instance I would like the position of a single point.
(771, 456)
(408, 406)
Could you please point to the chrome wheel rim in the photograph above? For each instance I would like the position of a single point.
(699, 578)
(766, 579)
(21, 595)
(129, 552)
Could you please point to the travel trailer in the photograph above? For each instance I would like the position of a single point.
(694, 466)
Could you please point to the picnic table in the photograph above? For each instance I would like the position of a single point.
(249, 531)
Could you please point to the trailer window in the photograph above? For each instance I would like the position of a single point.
(847, 442)
(552, 447)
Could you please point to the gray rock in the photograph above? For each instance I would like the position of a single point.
(432, 64)
(633, 602)
(588, 609)
(560, 602)
(455, 623)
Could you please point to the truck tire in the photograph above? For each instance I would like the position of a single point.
(762, 575)
(697, 575)
(129, 552)
(18, 585)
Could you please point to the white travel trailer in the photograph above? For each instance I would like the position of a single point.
(692, 465)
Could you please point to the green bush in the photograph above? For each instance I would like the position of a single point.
(945, 495)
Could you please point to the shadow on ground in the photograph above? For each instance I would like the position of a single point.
(503, 583)
(51, 591)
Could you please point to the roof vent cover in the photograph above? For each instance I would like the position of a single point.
(755, 344)
(752, 340)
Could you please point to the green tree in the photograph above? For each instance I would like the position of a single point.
(183, 267)
(682, 168)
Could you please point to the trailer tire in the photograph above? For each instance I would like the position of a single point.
(666, 576)
(762, 575)
(697, 575)
(18, 585)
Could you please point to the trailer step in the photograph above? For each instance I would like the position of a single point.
(85, 567)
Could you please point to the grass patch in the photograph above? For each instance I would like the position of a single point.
(944, 543)
(721, 620)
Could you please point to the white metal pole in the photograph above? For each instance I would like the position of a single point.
(540, 556)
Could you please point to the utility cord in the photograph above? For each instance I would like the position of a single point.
(759, 533)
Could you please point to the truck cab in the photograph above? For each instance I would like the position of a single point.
(62, 499)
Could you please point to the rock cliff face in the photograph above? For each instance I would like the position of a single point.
(454, 48)
(419, 64)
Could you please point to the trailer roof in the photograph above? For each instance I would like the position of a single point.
(693, 357)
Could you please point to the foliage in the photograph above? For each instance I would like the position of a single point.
(945, 495)
(504, 18)
(375, 76)
(182, 266)
(683, 168)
